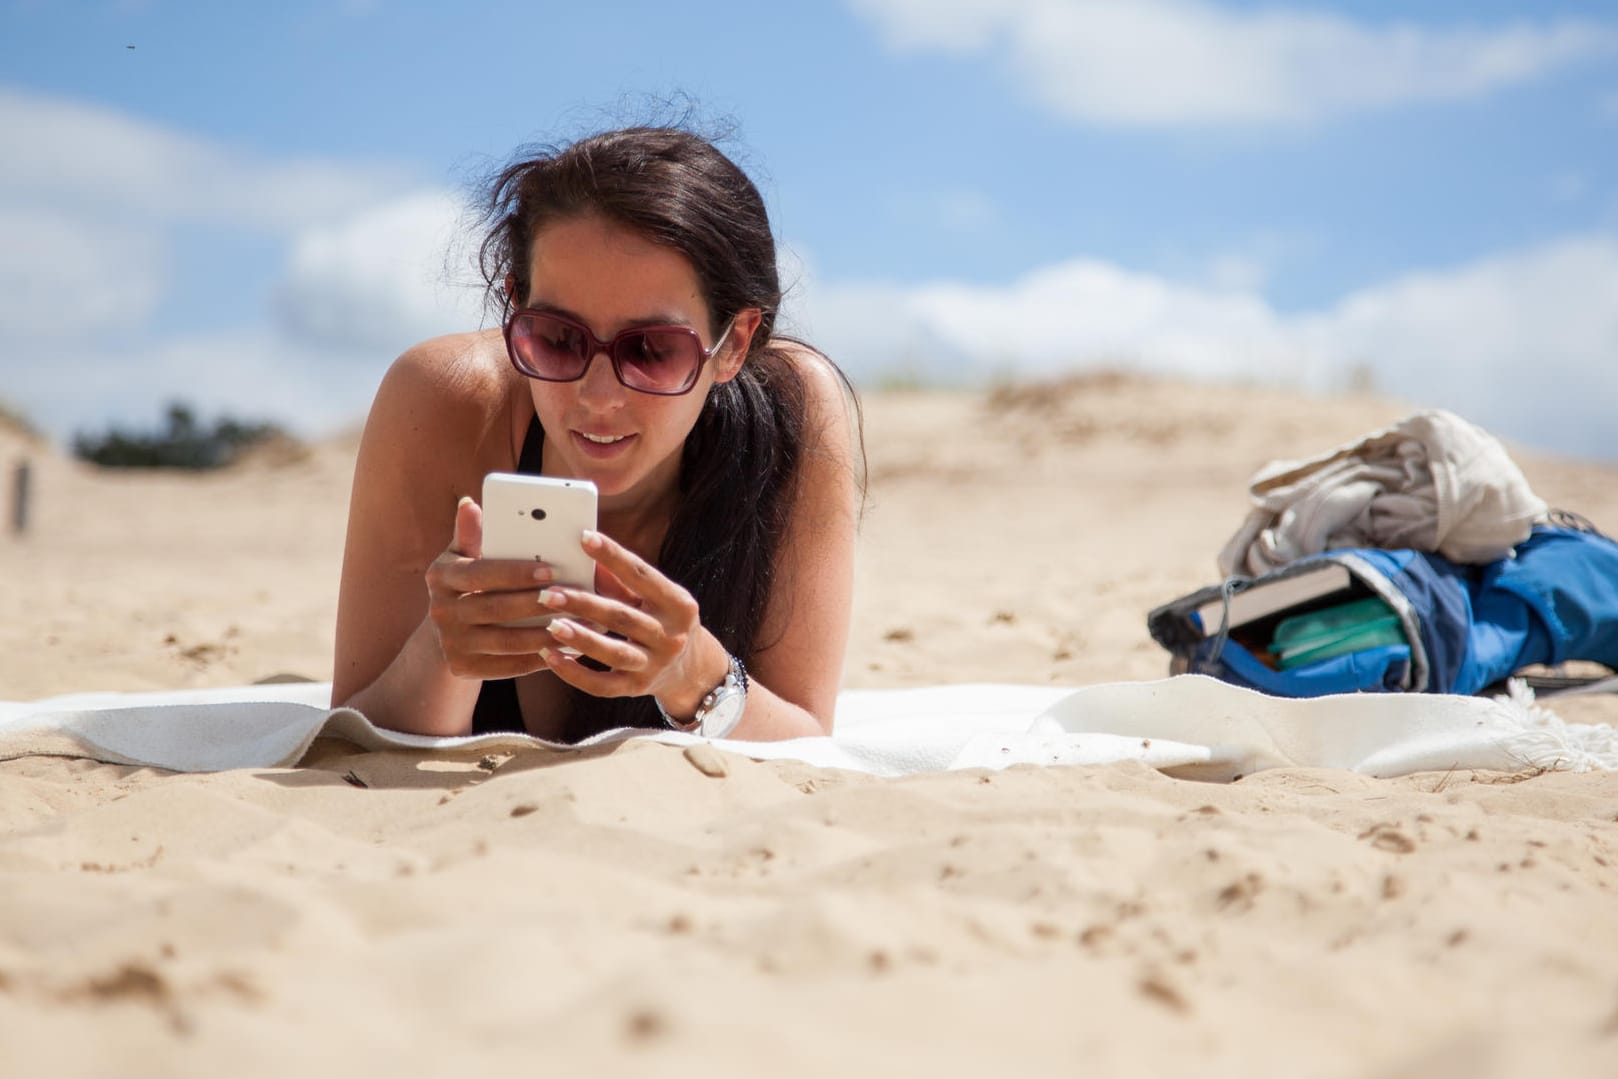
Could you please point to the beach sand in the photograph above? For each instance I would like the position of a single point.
(623, 912)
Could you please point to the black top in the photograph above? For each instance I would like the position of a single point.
(498, 708)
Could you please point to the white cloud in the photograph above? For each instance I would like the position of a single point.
(1089, 308)
(1187, 62)
(62, 277)
(1082, 312)
(96, 161)
(90, 203)
(353, 296)
(1247, 263)
(1522, 343)
(1238, 273)
(247, 373)
(385, 278)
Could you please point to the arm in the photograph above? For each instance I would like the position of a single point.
(667, 653)
(795, 677)
(405, 650)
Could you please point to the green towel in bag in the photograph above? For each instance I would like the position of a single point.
(1335, 631)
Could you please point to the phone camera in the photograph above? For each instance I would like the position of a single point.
(537, 514)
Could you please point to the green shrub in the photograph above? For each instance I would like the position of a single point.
(183, 443)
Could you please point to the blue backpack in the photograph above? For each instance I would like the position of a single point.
(1460, 628)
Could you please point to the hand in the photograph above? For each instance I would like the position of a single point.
(469, 596)
(660, 644)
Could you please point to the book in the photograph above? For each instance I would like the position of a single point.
(1266, 596)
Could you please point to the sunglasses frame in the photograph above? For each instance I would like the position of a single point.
(610, 347)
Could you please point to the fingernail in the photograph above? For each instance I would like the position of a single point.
(464, 500)
(561, 627)
(545, 654)
(592, 539)
(550, 597)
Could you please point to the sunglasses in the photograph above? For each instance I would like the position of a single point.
(663, 360)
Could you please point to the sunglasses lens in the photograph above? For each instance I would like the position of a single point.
(659, 361)
(549, 348)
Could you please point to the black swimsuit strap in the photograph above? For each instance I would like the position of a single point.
(532, 459)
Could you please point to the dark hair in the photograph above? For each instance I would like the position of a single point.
(739, 467)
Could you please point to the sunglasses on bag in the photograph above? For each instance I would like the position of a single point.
(651, 359)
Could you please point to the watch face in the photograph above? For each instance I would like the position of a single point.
(726, 712)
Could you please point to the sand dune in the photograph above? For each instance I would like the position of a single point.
(623, 912)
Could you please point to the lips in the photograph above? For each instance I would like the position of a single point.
(600, 445)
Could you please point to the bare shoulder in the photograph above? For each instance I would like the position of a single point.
(822, 381)
(461, 369)
(830, 403)
(442, 419)
(450, 393)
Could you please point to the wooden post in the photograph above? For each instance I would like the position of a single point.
(19, 497)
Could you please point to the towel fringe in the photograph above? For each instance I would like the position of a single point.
(1549, 742)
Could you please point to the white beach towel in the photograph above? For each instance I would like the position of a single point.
(1190, 726)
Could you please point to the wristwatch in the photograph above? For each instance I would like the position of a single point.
(720, 710)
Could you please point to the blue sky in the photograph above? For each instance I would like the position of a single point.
(255, 207)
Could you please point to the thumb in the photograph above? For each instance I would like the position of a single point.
(468, 541)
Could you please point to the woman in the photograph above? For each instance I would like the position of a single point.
(728, 482)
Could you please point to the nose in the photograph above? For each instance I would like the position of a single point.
(599, 387)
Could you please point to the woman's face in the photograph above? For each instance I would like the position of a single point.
(611, 278)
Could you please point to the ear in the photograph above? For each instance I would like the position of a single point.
(740, 342)
(511, 292)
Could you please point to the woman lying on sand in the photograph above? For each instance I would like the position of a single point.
(727, 476)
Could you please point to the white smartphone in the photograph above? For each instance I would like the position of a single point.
(540, 518)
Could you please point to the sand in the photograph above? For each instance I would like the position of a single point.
(627, 912)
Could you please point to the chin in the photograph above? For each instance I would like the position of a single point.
(610, 481)
(628, 475)
(610, 486)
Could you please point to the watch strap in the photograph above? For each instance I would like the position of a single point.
(735, 679)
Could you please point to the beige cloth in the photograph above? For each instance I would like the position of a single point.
(1431, 482)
